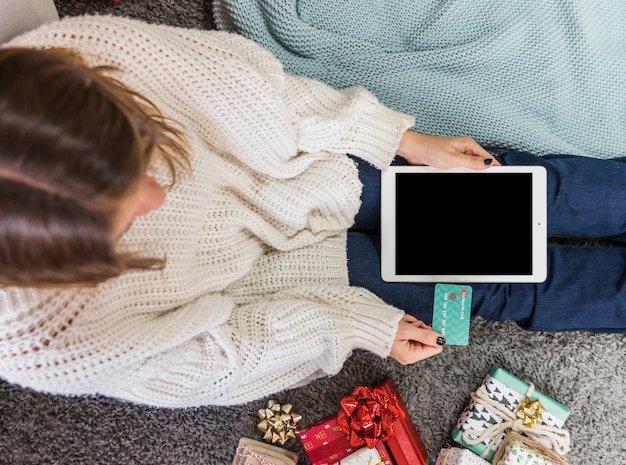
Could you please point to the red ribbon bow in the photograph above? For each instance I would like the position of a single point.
(367, 416)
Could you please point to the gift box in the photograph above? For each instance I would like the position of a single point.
(504, 402)
(520, 450)
(459, 456)
(251, 452)
(363, 456)
(327, 442)
(405, 446)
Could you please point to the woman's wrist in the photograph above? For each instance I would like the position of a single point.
(407, 146)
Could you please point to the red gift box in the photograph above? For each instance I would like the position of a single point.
(405, 446)
(326, 443)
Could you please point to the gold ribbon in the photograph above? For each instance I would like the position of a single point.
(527, 421)
(530, 412)
(447, 455)
(278, 422)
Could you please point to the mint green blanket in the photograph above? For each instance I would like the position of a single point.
(548, 76)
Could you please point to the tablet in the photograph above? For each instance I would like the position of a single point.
(462, 225)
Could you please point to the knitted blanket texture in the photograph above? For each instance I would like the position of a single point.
(547, 76)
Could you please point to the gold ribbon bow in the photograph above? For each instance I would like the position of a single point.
(530, 412)
(278, 422)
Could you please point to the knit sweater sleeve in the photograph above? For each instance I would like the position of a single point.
(207, 352)
(324, 118)
(344, 121)
(267, 346)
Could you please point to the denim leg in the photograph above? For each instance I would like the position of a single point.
(586, 196)
(364, 271)
(585, 289)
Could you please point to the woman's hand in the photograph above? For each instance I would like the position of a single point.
(444, 152)
(415, 341)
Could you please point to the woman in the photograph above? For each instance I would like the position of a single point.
(174, 214)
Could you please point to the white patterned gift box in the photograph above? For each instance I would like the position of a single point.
(459, 456)
(505, 403)
(363, 456)
(520, 450)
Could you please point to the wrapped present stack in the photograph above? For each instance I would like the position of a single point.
(372, 427)
(508, 421)
(326, 443)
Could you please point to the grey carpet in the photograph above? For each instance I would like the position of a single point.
(583, 371)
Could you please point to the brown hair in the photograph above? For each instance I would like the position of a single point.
(73, 142)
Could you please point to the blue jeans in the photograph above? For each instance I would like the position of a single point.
(586, 285)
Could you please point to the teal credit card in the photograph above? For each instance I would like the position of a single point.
(452, 310)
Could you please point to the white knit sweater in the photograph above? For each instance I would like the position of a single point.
(254, 298)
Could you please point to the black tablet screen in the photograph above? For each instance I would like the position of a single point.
(464, 224)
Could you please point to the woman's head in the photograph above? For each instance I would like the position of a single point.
(75, 146)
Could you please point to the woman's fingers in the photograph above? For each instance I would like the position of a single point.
(415, 322)
(415, 341)
(444, 152)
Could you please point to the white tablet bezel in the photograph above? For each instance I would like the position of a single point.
(539, 229)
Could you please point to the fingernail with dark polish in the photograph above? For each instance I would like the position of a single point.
(487, 161)
(441, 340)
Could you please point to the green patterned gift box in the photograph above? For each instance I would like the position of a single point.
(505, 403)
